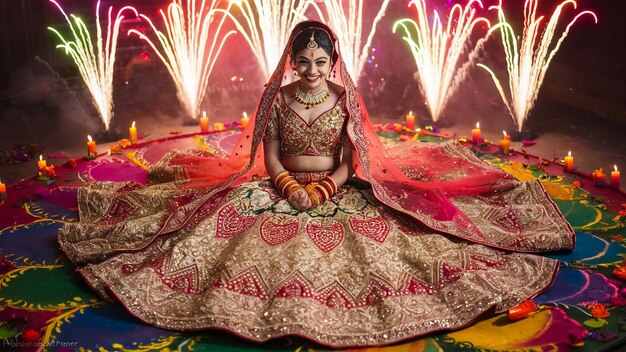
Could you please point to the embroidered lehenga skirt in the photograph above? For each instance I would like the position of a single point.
(350, 272)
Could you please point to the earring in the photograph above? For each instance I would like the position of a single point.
(334, 72)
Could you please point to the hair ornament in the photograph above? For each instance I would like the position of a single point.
(312, 45)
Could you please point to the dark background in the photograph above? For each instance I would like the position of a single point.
(40, 86)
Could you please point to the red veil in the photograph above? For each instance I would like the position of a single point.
(441, 186)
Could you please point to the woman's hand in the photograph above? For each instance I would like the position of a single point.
(300, 199)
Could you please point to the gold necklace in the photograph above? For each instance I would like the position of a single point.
(311, 100)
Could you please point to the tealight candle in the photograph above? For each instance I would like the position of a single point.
(41, 164)
(476, 133)
(218, 126)
(568, 165)
(244, 120)
(505, 143)
(615, 178)
(91, 146)
(410, 121)
(132, 132)
(3, 191)
(204, 123)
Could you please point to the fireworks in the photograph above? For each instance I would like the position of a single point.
(528, 62)
(95, 65)
(266, 27)
(437, 49)
(349, 28)
(190, 46)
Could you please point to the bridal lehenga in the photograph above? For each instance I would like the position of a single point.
(425, 237)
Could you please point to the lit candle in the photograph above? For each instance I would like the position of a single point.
(91, 146)
(41, 164)
(615, 178)
(3, 191)
(568, 166)
(599, 178)
(410, 121)
(476, 133)
(244, 120)
(204, 123)
(505, 143)
(132, 132)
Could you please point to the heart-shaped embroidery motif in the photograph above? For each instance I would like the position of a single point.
(374, 228)
(230, 222)
(278, 229)
(326, 234)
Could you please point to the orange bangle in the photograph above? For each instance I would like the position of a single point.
(292, 189)
(323, 191)
(328, 189)
(316, 197)
(287, 185)
(331, 182)
(280, 177)
(285, 180)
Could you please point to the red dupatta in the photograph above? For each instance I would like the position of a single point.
(429, 202)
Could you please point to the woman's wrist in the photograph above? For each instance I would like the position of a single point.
(286, 184)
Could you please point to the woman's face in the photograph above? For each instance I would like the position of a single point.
(313, 67)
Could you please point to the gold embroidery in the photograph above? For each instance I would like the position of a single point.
(323, 137)
(374, 278)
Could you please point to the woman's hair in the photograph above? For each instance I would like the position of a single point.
(322, 38)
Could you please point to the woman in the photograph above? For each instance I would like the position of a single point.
(424, 238)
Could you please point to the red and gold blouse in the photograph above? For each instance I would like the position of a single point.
(324, 136)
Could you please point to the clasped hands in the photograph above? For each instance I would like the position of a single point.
(303, 198)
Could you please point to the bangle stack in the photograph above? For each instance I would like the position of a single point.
(286, 184)
(322, 191)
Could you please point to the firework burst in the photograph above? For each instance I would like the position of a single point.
(191, 44)
(528, 60)
(95, 64)
(266, 25)
(437, 49)
(349, 30)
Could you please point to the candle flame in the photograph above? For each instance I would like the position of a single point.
(615, 167)
(245, 114)
(133, 126)
(569, 153)
(203, 113)
(89, 138)
(40, 157)
(109, 151)
(411, 113)
(504, 132)
(477, 124)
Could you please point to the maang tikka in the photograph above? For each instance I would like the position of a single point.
(312, 45)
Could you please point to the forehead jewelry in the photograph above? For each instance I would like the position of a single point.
(312, 45)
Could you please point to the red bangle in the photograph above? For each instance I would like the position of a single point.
(279, 178)
(331, 182)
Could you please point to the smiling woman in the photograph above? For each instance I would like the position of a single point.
(345, 243)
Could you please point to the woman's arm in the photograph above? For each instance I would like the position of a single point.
(345, 169)
(272, 158)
